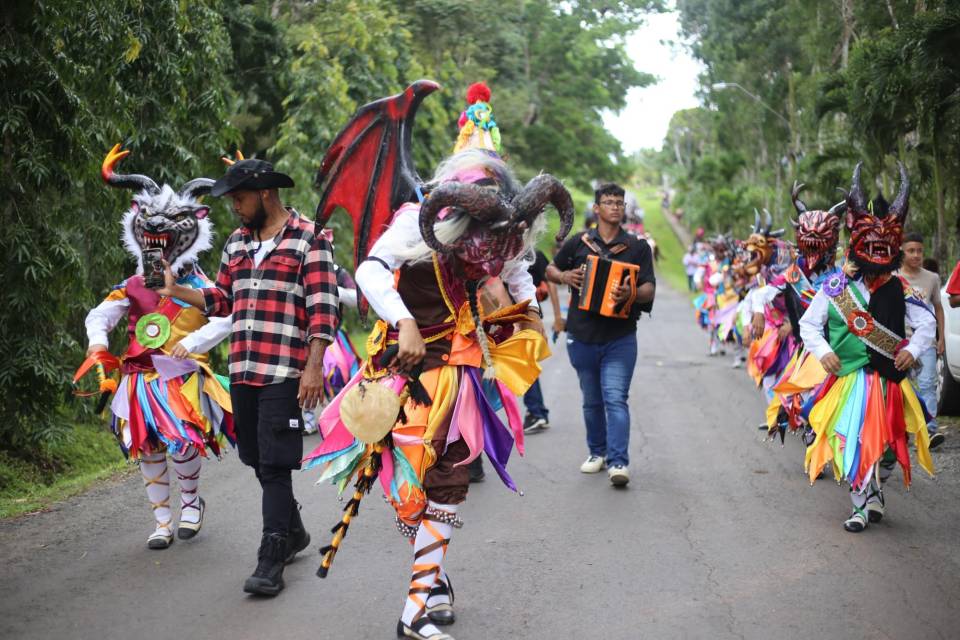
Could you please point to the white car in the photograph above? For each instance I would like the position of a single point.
(949, 392)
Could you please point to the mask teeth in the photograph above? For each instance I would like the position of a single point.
(156, 240)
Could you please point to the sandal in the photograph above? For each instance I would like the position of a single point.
(187, 530)
(442, 614)
(161, 538)
(413, 631)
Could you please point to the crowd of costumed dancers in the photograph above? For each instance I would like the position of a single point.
(832, 343)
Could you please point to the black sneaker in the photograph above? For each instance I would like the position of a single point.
(532, 424)
(267, 578)
(936, 440)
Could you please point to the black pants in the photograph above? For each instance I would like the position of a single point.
(269, 427)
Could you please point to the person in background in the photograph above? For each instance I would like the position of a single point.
(690, 263)
(538, 416)
(926, 284)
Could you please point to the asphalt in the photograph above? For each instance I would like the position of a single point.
(717, 536)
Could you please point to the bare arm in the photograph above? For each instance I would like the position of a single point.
(645, 292)
(572, 278)
(311, 379)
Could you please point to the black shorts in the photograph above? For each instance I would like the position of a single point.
(269, 424)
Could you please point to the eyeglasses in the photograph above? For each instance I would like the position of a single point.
(613, 204)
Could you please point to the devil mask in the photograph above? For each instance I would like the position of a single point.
(762, 247)
(497, 218)
(875, 237)
(160, 217)
(818, 232)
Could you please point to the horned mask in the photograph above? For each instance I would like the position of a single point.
(818, 232)
(875, 236)
(159, 217)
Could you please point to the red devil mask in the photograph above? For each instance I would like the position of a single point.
(875, 237)
(818, 232)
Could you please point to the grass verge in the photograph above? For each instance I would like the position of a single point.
(670, 265)
(86, 454)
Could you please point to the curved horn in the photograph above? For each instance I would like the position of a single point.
(756, 220)
(132, 181)
(855, 198)
(836, 209)
(227, 160)
(197, 188)
(543, 190)
(479, 202)
(795, 196)
(767, 222)
(795, 223)
(901, 204)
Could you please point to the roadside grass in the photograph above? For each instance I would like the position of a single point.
(87, 454)
(670, 265)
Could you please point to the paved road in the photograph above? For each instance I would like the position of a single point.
(718, 536)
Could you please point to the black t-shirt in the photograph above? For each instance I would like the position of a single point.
(538, 270)
(593, 328)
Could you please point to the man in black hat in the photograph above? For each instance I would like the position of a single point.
(277, 280)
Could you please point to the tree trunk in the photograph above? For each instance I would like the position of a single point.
(846, 12)
(893, 16)
(940, 242)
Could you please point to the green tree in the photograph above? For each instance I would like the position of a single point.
(79, 77)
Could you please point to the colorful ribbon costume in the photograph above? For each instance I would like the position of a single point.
(165, 404)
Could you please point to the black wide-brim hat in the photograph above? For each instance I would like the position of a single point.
(250, 175)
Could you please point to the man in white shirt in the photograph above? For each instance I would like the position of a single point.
(926, 285)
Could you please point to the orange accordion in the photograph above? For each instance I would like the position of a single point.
(599, 277)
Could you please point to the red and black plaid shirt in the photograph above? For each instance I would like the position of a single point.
(278, 307)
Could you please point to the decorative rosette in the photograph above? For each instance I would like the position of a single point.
(793, 274)
(153, 330)
(835, 284)
(860, 323)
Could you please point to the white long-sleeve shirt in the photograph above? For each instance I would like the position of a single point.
(376, 282)
(764, 296)
(105, 316)
(922, 322)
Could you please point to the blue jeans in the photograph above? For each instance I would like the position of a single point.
(926, 385)
(533, 401)
(605, 371)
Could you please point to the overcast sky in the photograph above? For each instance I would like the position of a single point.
(643, 122)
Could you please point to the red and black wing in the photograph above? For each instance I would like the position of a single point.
(369, 170)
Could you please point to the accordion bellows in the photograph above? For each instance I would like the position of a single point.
(599, 278)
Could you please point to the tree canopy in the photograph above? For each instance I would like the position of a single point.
(802, 90)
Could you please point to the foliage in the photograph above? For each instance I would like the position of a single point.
(833, 82)
(79, 77)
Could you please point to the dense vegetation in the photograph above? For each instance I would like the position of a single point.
(835, 81)
(181, 83)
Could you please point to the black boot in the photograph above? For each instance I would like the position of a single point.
(298, 539)
(267, 579)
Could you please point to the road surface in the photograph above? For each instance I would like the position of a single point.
(717, 536)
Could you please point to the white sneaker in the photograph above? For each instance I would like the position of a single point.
(619, 476)
(593, 464)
